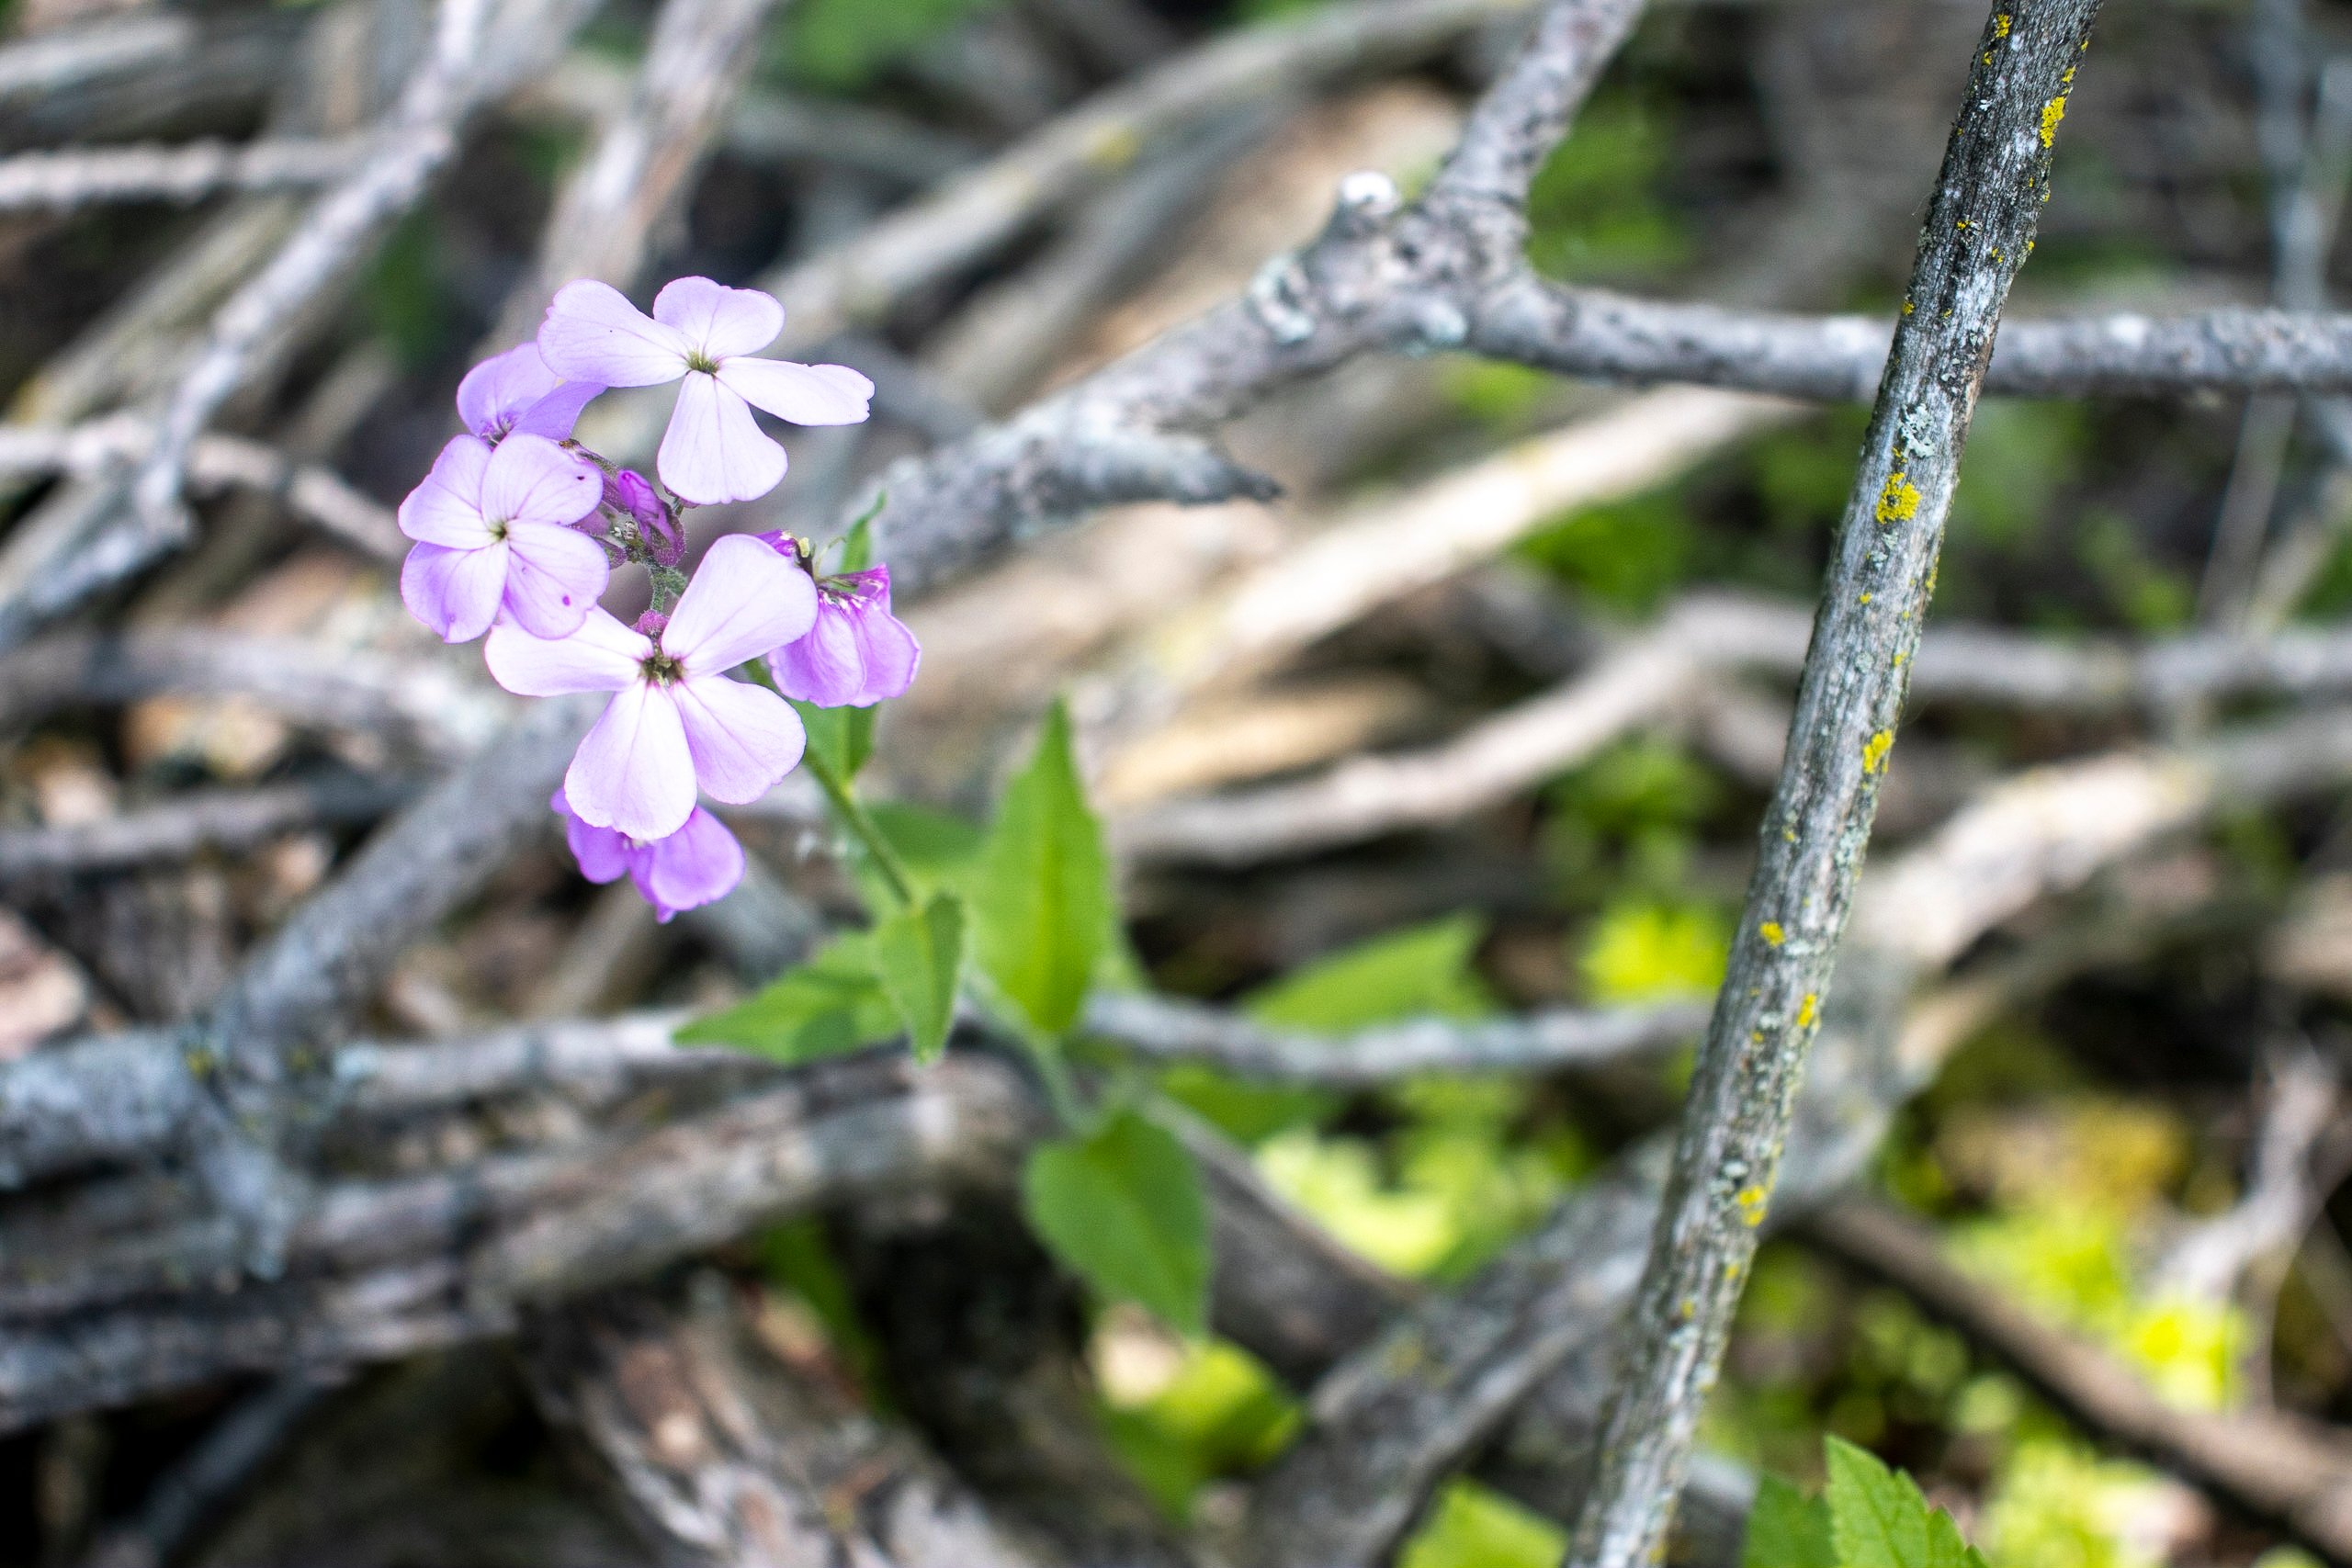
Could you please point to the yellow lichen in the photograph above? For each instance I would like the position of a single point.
(1875, 749)
(1808, 1010)
(1771, 933)
(1898, 500)
(1751, 1205)
(2051, 113)
(2001, 24)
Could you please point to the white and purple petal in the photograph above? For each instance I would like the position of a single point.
(455, 592)
(717, 322)
(593, 333)
(714, 450)
(743, 599)
(603, 854)
(633, 771)
(804, 394)
(743, 738)
(602, 656)
(554, 415)
(700, 863)
(446, 508)
(554, 577)
(532, 480)
(495, 393)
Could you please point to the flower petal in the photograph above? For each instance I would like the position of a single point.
(805, 394)
(495, 393)
(633, 773)
(825, 666)
(554, 577)
(455, 592)
(532, 480)
(714, 450)
(743, 738)
(744, 599)
(446, 508)
(718, 321)
(593, 333)
(603, 854)
(892, 656)
(602, 656)
(554, 415)
(700, 863)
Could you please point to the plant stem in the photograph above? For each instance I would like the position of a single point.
(861, 826)
(1980, 224)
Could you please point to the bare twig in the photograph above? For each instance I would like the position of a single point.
(645, 157)
(1406, 1409)
(421, 136)
(1164, 1028)
(1979, 226)
(416, 703)
(314, 492)
(218, 821)
(190, 172)
(2269, 1462)
(222, 1461)
(728, 1456)
(1672, 674)
(384, 1269)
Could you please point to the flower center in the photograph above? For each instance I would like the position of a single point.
(497, 526)
(697, 360)
(661, 669)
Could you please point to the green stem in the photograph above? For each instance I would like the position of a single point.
(854, 817)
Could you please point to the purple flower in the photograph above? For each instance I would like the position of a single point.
(494, 533)
(676, 722)
(858, 653)
(515, 392)
(630, 492)
(700, 863)
(710, 336)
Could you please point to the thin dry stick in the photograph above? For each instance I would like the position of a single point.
(421, 137)
(59, 182)
(2273, 1463)
(645, 158)
(310, 490)
(1979, 227)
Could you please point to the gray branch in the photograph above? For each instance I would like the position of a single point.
(1979, 228)
(1531, 1337)
(62, 181)
(1169, 1029)
(222, 821)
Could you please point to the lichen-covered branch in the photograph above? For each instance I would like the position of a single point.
(1404, 1410)
(1979, 228)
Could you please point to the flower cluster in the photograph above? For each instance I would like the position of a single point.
(519, 527)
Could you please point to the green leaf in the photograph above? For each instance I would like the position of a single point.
(831, 1004)
(937, 848)
(1122, 1207)
(840, 739)
(1041, 894)
(1424, 969)
(919, 955)
(1473, 1528)
(1877, 1516)
(857, 542)
(1787, 1529)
